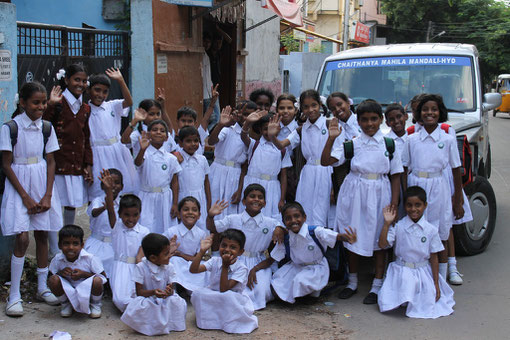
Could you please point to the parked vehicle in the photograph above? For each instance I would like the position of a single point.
(395, 73)
(503, 88)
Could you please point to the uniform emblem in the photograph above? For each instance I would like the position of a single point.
(386, 153)
(113, 115)
(324, 131)
(423, 239)
(311, 248)
(265, 230)
(164, 167)
(440, 145)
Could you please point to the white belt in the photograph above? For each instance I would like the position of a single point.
(127, 259)
(253, 253)
(155, 189)
(106, 239)
(313, 162)
(225, 162)
(412, 265)
(265, 177)
(368, 176)
(308, 263)
(29, 160)
(424, 174)
(105, 142)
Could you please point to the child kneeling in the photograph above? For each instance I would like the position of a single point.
(224, 305)
(78, 275)
(307, 272)
(413, 278)
(155, 309)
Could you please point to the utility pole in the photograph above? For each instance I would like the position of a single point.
(429, 31)
(347, 11)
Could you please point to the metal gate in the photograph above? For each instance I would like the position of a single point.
(44, 49)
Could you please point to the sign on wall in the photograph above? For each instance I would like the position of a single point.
(5, 65)
(199, 3)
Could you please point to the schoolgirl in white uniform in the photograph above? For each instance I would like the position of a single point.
(159, 185)
(186, 116)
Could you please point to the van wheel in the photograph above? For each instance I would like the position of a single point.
(473, 237)
(494, 112)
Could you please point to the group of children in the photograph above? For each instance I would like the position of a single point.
(402, 190)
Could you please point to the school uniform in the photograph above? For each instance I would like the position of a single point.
(427, 156)
(292, 172)
(350, 127)
(409, 278)
(314, 187)
(107, 150)
(191, 181)
(156, 172)
(399, 145)
(189, 244)
(230, 311)
(259, 232)
(99, 242)
(75, 154)
(285, 131)
(152, 315)
(169, 145)
(265, 164)
(78, 291)
(126, 242)
(229, 155)
(308, 269)
(366, 190)
(203, 134)
(31, 170)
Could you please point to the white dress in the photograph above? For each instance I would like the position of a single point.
(189, 244)
(285, 131)
(126, 242)
(400, 143)
(229, 155)
(32, 177)
(414, 242)
(156, 174)
(308, 270)
(230, 311)
(432, 154)
(107, 150)
(259, 232)
(191, 181)
(152, 315)
(366, 190)
(99, 242)
(203, 135)
(314, 187)
(264, 167)
(169, 145)
(78, 291)
(72, 189)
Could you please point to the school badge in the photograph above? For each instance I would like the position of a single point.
(324, 131)
(311, 248)
(265, 230)
(164, 167)
(386, 153)
(113, 114)
(423, 239)
(440, 145)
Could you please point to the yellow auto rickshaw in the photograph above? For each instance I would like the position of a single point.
(503, 87)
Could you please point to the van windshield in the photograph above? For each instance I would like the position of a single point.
(398, 79)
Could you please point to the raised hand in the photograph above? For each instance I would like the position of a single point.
(140, 115)
(107, 180)
(226, 118)
(255, 116)
(214, 93)
(334, 128)
(206, 243)
(144, 140)
(161, 95)
(273, 128)
(55, 95)
(173, 245)
(218, 207)
(390, 214)
(350, 235)
(114, 73)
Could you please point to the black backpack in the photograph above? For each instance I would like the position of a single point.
(349, 148)
(13, 128)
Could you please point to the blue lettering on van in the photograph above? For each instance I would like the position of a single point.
(398, 61)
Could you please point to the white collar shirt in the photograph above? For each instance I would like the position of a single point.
(230, 146)
(237, 272)
(74, 103)
(86, 261)
(188, 239)
(152, 276)
(126, 241)
(158, 168)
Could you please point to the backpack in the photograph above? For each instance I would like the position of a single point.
(349, 148)
(465, 153)
(13, 129)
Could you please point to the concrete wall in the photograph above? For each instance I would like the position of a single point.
(63, 12)
(303, 70)
(369, 12)
(8, 90)
(263, 45)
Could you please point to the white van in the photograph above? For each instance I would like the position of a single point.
(395, 74)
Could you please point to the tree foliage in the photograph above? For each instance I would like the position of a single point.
(483, 23)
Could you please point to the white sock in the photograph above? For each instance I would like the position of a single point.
(353, 281)
(53, 240)
(62, 298)
(452, 264)
(16, 272)
(42, 279)
(443, 269)
(69, 216)
(376, 286)
(95, 300)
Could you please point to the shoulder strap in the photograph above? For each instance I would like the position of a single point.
(390, 146)
(46, 130)
(411, 130)
(287, 246)
(257, 142)
(445, 127)
(348, 150)
(311, 231)
(13, 128)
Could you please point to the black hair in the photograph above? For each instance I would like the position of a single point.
(250, 105)
(262, 92)
(234, 235)
(70, 230)
(71, 70)
(254, 187)
(187, 131)
(394, 107)
(285, 96)
(114, 171)
(147, 104)
(157, 122)
(415, 191)
(315, 96)
(293, 205)
(153, 244)
(27, 91)
(340, 95)
(415, 99)
(186, 111)
(101, 79)
(257, 126)
(188, 199)
(130, 201)
(369, 105)
(443, 112)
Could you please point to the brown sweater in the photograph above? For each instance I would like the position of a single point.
(73, 136)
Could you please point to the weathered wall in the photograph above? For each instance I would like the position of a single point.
(369, 12)
(303, 70)
(262, 45)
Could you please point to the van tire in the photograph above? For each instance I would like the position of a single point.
(494, 112)
(473, 237)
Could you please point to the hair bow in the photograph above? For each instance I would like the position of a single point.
(61, 73)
